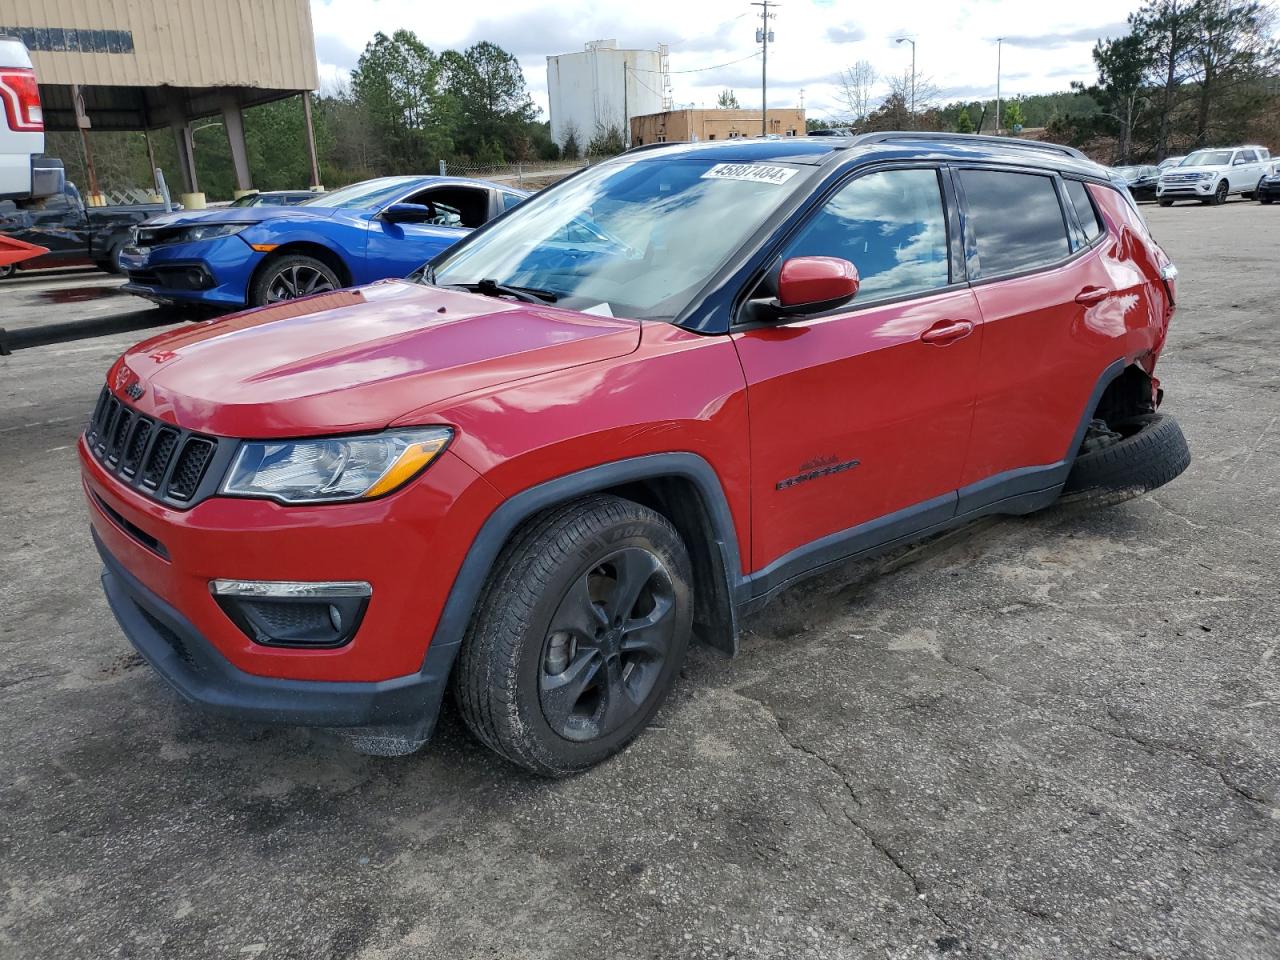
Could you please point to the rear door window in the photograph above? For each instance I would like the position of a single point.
(1016, 221)
(1085, 212)
(891, 225)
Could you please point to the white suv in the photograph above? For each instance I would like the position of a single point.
(25, 173)
(1211, 176)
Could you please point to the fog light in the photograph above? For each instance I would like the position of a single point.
(289, 613)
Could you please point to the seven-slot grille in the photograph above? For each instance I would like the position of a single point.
(160, 460)
(1181, 177)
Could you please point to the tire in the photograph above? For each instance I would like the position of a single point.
(289, 277)
(112, 262)
(7, 270)
(1220, 194)
(550, 611)
(1265, 198)
(1165, 203)
(1152, 452)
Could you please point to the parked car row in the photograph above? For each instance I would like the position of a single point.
(1209, 176)
(1212, 175)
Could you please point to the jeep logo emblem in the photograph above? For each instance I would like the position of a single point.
(135, 390)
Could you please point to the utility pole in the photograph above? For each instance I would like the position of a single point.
(763, 36)
(626, 111)
(913, 77)
(999, 44)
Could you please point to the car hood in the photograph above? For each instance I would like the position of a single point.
(179, 218)
(354, 360)
(1192, 170)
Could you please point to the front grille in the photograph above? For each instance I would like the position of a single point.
(162, 461)
(1181, 177)
(190, 469)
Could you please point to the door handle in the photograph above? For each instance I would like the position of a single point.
(1091, 295)
(947, 331)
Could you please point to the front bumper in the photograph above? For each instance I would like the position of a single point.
(1270, 189)
(214, 272)
(403, 707)
(1197, 189)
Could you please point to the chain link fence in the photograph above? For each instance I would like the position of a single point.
(526, 176)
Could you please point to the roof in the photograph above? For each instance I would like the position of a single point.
(891, 144)
(810, 150)
(139, 62)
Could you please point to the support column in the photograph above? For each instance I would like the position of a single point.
(186, 155)
(311, 141)
(192, 199)
(151, 159)
(233, 123)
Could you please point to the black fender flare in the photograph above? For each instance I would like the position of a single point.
(493, 535)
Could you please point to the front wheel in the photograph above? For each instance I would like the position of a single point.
(1220, 194)
(7, 270)
(290, 277)
(579, 636)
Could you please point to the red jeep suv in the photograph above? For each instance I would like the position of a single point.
(627, 412)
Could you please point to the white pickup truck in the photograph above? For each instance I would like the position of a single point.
(26, 175)
(1211, 176)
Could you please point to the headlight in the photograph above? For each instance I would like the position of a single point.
(333, 469)
(1205, 176)
(207, 231)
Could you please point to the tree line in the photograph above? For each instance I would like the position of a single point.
(1188, 73)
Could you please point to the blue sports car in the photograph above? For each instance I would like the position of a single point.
(247, 256)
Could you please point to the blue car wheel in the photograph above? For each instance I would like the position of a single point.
(288, 278)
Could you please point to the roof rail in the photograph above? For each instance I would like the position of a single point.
(1014, 143)
(651, 146)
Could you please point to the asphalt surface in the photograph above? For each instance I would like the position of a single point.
(1048, 737)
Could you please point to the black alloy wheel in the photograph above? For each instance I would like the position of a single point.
(578, 636)
(606, 644)
(1220, 195)
(299, 280)
(291, 277)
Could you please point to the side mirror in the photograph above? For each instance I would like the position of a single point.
(814, 284)
(1238, 162)
(408, 213)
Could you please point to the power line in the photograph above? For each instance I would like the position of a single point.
(699, 69)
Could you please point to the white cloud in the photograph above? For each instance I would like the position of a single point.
(955, 41)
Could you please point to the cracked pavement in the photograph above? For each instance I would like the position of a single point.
(1046, 737)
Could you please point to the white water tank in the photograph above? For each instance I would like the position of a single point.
(586, 90)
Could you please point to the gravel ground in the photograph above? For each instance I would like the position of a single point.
(1047, 737)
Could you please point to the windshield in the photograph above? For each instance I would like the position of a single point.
(1130, 173)
(369, 193)
(634, 238)
(1207, 158)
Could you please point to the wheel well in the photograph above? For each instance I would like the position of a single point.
(1128, 395)
(679, 500)
(305, 249)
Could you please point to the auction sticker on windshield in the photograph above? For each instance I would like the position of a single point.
(757, 172)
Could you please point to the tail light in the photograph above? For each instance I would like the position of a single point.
(21, 96)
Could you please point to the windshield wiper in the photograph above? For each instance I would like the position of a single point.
(492, 288)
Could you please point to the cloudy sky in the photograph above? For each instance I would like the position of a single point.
(1046, 44)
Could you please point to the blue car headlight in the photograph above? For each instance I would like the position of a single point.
(206, 231)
